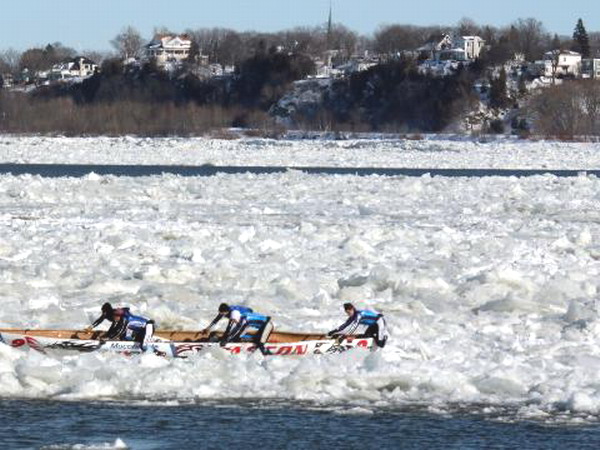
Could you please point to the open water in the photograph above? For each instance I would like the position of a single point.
(208, 170)
(65, 425)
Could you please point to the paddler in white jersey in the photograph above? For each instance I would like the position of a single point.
(125, 326)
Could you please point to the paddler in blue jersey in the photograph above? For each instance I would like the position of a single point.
(125, 326)
(374, 322)
(242, 320)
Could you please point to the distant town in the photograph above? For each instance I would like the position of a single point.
(466, 78)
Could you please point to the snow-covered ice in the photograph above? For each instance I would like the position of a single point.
(118, 444)
(490, 286)
(430, 152)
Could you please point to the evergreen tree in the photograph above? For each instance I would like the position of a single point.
(498, 96)
(581, 41)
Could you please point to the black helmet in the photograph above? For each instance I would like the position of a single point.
(223, 308)
(107, 310)
(348, 307)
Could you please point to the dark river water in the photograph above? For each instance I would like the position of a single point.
(80, 170)
(60, 425)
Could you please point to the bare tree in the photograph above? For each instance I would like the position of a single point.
(96, 56)
(306, 40)
(296, 40)
(230, 50)
(594, 44)
(210, 40)
(490, 34)
(364, 44)
(568, 110)
(467, 27)
(590, 101)
(128, 43)
(343, 39)
(33, 59)
(392, 39)
(556, 112)
(39, 59)
(9, 61)
(555, 64)
(258, 43)
(531, 38)
(57, 52)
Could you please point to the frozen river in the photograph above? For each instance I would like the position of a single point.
(489, 285)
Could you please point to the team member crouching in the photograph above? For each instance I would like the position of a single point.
(242, 320)
(125, 326)
(374, 321)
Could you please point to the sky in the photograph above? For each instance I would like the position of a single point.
(91, 25)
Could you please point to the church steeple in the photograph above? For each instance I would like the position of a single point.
(329, 25)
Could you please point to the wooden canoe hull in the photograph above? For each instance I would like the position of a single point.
(170, 335)
(68, 341)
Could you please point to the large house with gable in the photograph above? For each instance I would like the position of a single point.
(446, 48)
(437, 44)
(169, 48)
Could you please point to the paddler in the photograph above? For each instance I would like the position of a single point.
(374, 322)
(242, 320)
(125, 326)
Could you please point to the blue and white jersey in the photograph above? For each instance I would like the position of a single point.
(236, 312)
(134, 325)
(368, 317)
(253, 321)
(247, 320)
(363, 317)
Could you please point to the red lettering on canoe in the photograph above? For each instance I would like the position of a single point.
(301, 349)
(17, 343)
(285, 350)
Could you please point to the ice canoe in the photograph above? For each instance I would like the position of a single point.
(177, 344)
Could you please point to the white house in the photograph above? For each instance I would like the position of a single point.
(169, 48)
(471, 45)
(78, 67)
(590, 68)
(445, 48)
(559, 63)
(431, 49)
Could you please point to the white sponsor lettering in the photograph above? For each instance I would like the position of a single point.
(123, 346)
